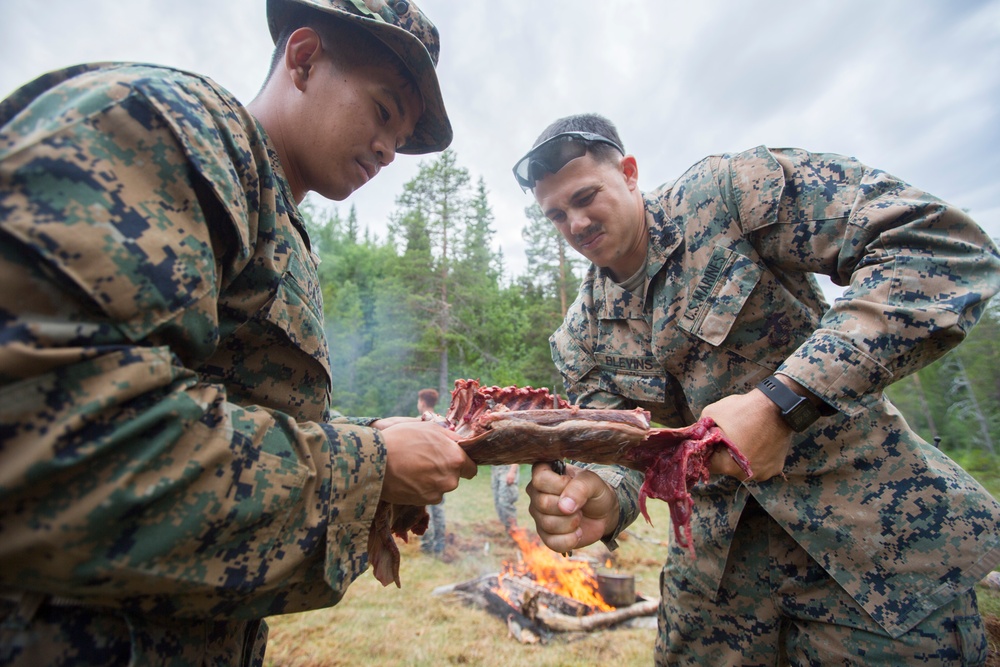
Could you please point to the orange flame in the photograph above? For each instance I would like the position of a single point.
(569, 578)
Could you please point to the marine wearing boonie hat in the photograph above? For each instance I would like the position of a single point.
(408, 32)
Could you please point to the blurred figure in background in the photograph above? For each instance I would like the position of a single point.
(503, 481)
(432, 542)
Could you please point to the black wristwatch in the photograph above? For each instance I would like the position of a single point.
(797, 411)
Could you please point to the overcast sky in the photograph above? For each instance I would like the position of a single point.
(909, 86)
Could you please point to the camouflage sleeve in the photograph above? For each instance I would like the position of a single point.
(576, 364)
(125, 479)
(918, 270)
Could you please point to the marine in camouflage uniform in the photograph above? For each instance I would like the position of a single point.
(432, 542)
(503, 481)
(170, 469)
(865, 551)
(434, 539)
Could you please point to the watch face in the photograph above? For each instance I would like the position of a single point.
(801, 416)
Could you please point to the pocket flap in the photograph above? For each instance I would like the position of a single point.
(715, 302)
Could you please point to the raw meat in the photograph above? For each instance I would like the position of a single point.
(505, 425)
(674, 460)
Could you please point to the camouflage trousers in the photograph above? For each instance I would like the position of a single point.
(777, 606)
(505, 496)
(432, 541)
(36, 630)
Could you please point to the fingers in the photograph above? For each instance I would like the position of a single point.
(722, 463)
(469, 467)
(423, 461)
(555, 529)
(570, 510)
(388, 422)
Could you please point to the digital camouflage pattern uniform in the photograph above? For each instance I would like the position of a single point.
(433, 541)
(730, 299)
(168, 459)
(505, 495)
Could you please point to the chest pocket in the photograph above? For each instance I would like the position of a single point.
(277, 355)
(295, 312)
(722, 292)
(626, 364)
(295, 364)
(620, 363)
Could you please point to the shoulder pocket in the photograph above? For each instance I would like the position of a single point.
(720, 294)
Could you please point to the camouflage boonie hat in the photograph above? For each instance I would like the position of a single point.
(402, 27)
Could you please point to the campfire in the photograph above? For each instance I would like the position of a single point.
(545, 592)
(561, 576)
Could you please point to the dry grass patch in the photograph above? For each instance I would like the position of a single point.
(411, 626)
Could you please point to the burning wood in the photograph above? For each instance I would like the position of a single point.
(544, 591)
(540, 618)
(561, 623)
(574, 580)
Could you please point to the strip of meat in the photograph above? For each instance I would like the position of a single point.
(591, 436)
(676, 459)
(390, 520)
(507, 425)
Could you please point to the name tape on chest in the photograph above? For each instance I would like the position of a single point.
(614, 363)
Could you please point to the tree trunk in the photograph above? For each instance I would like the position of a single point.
(984, 424)
(923, 404)
(563, 270)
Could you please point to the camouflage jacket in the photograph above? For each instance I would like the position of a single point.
(166, 443)
(731, 298)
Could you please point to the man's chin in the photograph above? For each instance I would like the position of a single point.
(339, 192)
(594, 257)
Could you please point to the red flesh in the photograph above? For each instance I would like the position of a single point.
(504, 425)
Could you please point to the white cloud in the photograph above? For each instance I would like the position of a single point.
(911, 88)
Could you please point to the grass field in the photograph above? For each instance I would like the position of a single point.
(410, 626)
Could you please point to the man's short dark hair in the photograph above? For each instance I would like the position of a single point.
(428, 396)
(345, 43)
(587, 122)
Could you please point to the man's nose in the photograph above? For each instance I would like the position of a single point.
(578, 223)
(385, 151)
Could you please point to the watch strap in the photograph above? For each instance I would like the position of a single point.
(797, 411)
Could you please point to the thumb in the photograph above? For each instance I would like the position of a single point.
(585, 489)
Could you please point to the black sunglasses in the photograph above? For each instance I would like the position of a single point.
(552, 155)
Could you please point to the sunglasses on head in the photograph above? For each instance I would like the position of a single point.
(552, 155)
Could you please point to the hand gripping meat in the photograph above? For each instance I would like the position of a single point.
(506, 425)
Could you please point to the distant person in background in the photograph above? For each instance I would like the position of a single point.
(503, 481)
(432, 541)
(426, 401)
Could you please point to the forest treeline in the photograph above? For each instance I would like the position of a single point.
(432, 302)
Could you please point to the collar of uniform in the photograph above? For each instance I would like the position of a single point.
(285, 188)
(615, 303)
(664, 232)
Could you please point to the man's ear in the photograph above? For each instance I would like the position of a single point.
(301, 52)
(630, 169)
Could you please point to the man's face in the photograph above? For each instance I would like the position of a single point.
(352, 126)
(598, 209)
